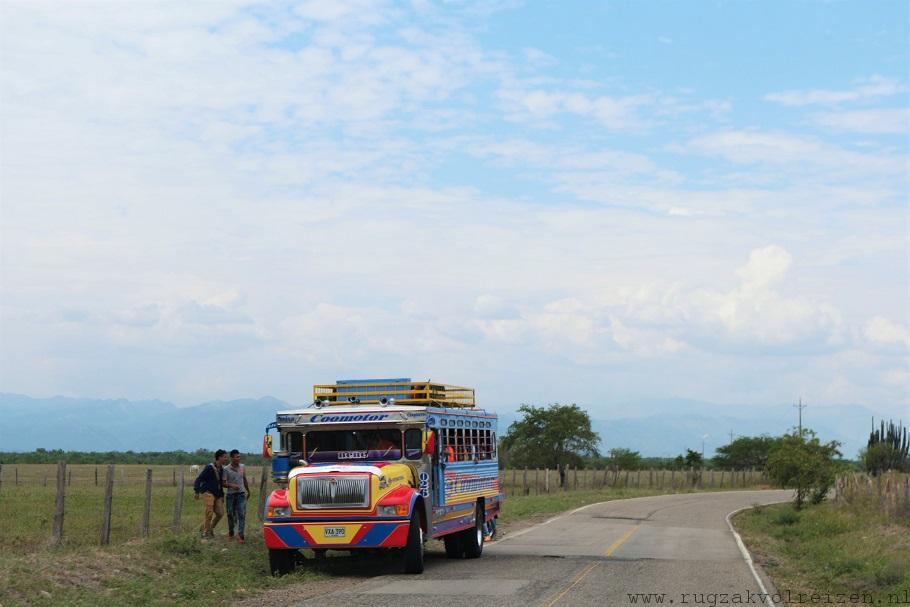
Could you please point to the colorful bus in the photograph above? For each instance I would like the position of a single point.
(382, 463)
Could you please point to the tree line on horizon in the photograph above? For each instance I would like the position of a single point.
(149, 458)
(562, 435)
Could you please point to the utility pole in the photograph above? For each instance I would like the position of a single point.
(731, 435)
(800, 406)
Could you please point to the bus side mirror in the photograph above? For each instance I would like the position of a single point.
(267, 446)
(430, 447)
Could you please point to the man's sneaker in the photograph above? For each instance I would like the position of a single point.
(230, 537)
(240, 540)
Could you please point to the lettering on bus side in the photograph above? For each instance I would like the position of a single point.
(424, 484)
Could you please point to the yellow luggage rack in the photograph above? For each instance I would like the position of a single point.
(404, 391)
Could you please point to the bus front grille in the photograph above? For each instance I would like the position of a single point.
(333, 492)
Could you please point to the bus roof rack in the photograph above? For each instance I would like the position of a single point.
(403, 390)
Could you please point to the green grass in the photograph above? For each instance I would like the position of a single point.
(829, 549)
(27, 513)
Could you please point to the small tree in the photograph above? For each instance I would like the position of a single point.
(746, 452)
(693, 459)
(805, 464)
(550, 436)
(624, 459)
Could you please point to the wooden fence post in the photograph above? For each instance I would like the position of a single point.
(525, 482)
(178, 504)
(69, 478)
(58, 503)
(546, 480)
(575, 474)
(17, 475)
(147, 505)
(106, 512)
(96, 476)
(537, 481)
(173, 477)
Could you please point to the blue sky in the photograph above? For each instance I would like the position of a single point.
(572, 201)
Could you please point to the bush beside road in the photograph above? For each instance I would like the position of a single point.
(846, 551)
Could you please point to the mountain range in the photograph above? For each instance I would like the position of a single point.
(654, 428)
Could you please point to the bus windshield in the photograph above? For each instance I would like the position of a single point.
(353, 445)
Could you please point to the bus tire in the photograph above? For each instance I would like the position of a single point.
(413, 551)
(454, 549)
(472, 539)
(281, 562)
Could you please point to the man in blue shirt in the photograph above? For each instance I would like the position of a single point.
(210, 485)
(238, 491)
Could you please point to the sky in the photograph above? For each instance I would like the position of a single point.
(548, 201)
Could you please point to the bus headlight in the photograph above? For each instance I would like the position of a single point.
(397, 510)
(278, 511)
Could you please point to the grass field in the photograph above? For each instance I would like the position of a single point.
(27, 509)
(853, 551)
(168, 568)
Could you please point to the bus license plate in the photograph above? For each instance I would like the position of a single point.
(333, 531)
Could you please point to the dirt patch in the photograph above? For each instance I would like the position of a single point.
(503, 530)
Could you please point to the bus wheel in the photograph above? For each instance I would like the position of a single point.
(281, 562)
(413, 551)
(472, 539)
(454, 549)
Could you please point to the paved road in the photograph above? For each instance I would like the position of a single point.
(673, 544)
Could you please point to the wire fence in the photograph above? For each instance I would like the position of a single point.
(889, 491)
(535, 481)
(83, 504)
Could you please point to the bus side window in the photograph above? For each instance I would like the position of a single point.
(450, 444)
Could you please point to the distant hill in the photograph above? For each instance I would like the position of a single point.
(122, 425)
(654, 428)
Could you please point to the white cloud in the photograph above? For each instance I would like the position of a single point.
(883, 121)
(524, 102)
(881, 331)
(872, 88)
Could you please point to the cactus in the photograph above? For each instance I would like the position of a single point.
(888, 448)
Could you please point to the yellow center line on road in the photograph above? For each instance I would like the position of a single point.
(615, 545)
(577, 579)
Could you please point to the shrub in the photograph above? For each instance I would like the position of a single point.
(805, 464)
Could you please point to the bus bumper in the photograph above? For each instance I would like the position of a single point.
(340, 535)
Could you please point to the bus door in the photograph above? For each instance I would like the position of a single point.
(439, 468)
